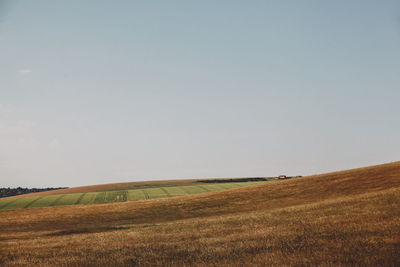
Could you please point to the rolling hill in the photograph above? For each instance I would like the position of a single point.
(342, 218)
(114, 193)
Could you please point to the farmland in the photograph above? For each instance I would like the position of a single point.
(143, 192)
(345, 218)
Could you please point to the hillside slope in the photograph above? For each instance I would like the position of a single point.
(113, 186)
(141, 185)
(89, 198)
(341, 218)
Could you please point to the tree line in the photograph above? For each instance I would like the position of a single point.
(8, 192)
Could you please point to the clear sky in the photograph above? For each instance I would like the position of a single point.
(108, 91)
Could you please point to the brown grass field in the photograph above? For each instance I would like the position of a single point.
(347, 218)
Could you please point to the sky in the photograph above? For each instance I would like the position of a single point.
(96, 92)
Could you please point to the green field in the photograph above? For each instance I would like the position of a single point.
(114, 196)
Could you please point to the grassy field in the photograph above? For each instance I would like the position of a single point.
(146, 192)
(136, 185)
(347, 218)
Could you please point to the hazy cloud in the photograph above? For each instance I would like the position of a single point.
(25, 71)
(55, 143)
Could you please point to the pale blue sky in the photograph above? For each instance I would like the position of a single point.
(109, 91)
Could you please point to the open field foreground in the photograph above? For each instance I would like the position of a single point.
(348, 218)
(51, 198)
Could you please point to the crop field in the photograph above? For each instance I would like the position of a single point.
(114, 196)
(346, 218)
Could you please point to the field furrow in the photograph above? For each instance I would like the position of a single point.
(32, 202)
(206, 188)
(88, 198)
(45, 201)
(175, 190)
(155, 193)
(78, 201)
(100, 197)
(58, 199)
(6, 202)
(146, 195)
(68, 199)
(20, 203)
(166, 192)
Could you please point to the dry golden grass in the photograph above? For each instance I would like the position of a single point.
(337, 219)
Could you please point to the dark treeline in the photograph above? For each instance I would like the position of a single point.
(8, 192)
(233, 180)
